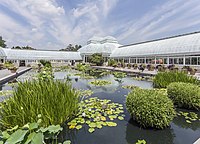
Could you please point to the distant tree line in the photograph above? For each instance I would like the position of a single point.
(23, 48)
(70, 47)
(2, 42)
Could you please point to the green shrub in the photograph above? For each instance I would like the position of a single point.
(163, 79)
(46, 73)
(185, 95)
(150, 108)
(96, 58)
(55, 101)
(45, 63)
(112, 62)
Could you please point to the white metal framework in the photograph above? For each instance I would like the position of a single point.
(180, 50)
(105, 46)
(31, 56)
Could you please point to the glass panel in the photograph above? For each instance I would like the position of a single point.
(180, 60)
(187, 61)
(194, 60)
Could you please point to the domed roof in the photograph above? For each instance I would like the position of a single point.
(110, 38)
(95, 38)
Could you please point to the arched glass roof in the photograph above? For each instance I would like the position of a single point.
(2, 53)
(14, 54)
(104, 45)
(92, 48)
(184, 44)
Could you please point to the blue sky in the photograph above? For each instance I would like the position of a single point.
(53, 24)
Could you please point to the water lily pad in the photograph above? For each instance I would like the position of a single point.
(120, 118)
(78, 127)
(92, 125)
(188, 121)
(91, 130)
(111, 124)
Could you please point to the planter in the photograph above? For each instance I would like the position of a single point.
(13, 71)
(193, 72)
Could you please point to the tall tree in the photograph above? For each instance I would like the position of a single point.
(2, 42)
(70, 47)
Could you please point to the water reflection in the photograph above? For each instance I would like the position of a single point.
(134, 133)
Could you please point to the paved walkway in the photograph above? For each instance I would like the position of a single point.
(136, 71)
(5, 74)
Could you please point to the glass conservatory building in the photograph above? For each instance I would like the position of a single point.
(179, 50)
(104, 45)
(25, 57)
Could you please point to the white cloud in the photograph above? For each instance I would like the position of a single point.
(169, 17)
(45, 24)
(48, 22)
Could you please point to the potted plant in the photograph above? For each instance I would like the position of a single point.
(150, 67)
(193, 71)
(13, 69)
(135, 66)
(1, 66)
(129, 65)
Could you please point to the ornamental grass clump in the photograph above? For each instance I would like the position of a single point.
(150, 108)
(184, 95)
(55, 101)
(163, 79)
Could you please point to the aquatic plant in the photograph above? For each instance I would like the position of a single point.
(85, 93)
(129, 87)
(141, 142)
(100, 82)
(189, 116)
(119, 75)
(32, 133)
(56, 101)
(97, 113)
(112, 62)
(184, 95)
(46, 73)
(6, 93)
(163, 79)
(150, 108)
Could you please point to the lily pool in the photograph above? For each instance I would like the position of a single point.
(127, 131)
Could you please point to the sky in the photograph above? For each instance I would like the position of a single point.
(53, 24)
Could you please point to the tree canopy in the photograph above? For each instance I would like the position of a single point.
(2, 42)
(70, 47)
(24, 48)
(97, 59)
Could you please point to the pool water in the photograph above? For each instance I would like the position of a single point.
(127, 131)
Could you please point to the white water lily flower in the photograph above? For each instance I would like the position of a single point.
(83, 114)
(22, 108)
(90, 109)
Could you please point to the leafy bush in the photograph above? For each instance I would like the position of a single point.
(112, 62)
(135, 66)
(45, 63)
(129, 65)
(97, 59)
(185, 95)
(163, 79)
(46, 73)
(56, 101)
(31, 133)
(150, 108)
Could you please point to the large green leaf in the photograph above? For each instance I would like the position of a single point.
(5, 135)
(33, 126)
(16, 137)
(30, 138)
(54, 128)
(38, 138)
(67, 142)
